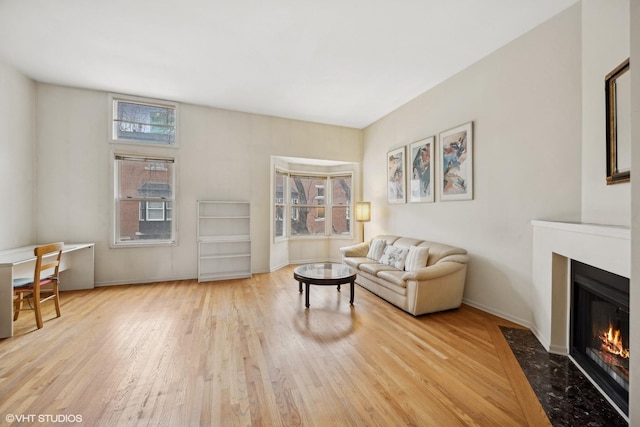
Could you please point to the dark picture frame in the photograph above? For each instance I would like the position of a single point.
(618, 124)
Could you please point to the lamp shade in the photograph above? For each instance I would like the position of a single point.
(363, 211)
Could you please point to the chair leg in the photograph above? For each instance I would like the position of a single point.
(56, 298)
(17, 306)
(36, 308)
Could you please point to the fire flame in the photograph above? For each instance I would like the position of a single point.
(612, 342)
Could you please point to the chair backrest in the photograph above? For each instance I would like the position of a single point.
(42, 251)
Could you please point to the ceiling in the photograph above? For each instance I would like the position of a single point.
(341, 62)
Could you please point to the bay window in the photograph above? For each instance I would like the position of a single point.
(313, 204)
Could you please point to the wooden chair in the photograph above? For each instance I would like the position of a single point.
(31, 290)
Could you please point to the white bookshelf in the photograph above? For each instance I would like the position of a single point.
(224, 240)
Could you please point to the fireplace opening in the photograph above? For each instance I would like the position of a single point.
(600, 329)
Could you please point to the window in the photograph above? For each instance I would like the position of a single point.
(144, 195)
(144, 122)
(279, 208)
(317, 205)
(340, 204)
(308, 212)
(155, 211)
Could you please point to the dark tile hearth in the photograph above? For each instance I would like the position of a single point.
(567, 396)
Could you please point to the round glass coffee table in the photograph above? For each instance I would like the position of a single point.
(324, 274)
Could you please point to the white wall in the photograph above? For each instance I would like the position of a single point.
(17, 151)
(223, 155)
(524, 100)
(605, 44)
(634, 393)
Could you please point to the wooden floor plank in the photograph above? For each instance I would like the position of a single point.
(248, 352)
(532, 409)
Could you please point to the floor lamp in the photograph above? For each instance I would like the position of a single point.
(363, 214)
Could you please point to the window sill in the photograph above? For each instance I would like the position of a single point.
(141, 244)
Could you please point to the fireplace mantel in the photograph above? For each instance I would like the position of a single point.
(555, 244)
(616, 231)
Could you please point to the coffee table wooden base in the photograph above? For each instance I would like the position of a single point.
(305, 275)
(308, 285)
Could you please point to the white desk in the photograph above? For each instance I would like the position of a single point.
(76, 272)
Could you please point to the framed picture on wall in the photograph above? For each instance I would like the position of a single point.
(395, 176)
(455, 154)
(420, 170)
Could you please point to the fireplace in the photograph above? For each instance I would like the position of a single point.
(599, 331)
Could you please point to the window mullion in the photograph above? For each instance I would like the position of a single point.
(327, 206)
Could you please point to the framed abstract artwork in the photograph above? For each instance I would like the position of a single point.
(455, 154)
(420, 170)
(396, 181)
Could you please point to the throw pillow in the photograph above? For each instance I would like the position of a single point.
(416, 258)
(394, 257)
(377, 249)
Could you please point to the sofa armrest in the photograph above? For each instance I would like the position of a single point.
(357, 250)
(434, 271)
(459, 258)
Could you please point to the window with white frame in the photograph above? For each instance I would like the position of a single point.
(308, 213)
(142, 121)
(340, 186)
(155, 211)
(279, 204)
(314, 205)
(144, 197)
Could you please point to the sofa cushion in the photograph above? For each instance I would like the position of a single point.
(406, 242)
(416, 258)
(376, 249)
(357, 261)
(389, 238)
(393, 276)
(374, 268)
(394, 256)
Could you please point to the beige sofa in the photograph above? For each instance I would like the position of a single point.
(425, 281)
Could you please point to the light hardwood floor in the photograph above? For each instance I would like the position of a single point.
(247, 352)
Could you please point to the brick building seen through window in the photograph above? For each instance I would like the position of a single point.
(145, 199)
(311, 198)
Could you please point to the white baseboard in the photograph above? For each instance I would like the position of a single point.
(547, 345)
(141, 281)
(277, 267)
(313, 261)
(490, 310)
(557, 349)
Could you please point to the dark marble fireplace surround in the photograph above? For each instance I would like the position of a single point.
(568, 398)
